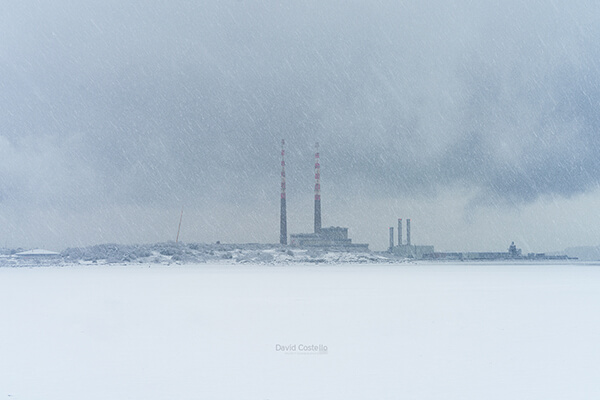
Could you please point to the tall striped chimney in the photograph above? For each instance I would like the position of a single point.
(283, 211)
(391, 238)
(408, 231)
(317, 190)
(399, 231)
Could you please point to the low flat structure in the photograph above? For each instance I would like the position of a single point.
(412, 251)
(472, 255)
(38, 253)
(512, 254)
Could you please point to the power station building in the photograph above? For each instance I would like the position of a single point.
(331, 238)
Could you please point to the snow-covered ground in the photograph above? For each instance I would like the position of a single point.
(187, 253)
(375, 331)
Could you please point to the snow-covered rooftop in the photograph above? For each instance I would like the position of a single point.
(37, 252)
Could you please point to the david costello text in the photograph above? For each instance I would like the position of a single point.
(301, 348)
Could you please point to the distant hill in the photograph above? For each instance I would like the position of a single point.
(584, 253)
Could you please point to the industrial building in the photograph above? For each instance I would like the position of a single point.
(513, 253)
(331, 238)
(336, 238)
(407, 249)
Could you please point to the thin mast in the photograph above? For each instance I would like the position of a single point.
(179, 228)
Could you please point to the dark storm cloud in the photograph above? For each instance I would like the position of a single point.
(168, 102)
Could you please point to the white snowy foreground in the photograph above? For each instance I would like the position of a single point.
(407, 331)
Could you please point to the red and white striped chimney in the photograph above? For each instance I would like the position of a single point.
(317, 190)
(283, 211)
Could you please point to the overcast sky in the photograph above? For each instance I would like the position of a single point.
(480, 120)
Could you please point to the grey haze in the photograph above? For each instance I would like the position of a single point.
(478, 120)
